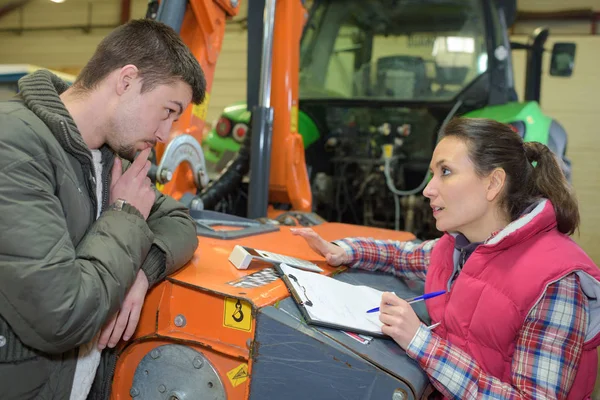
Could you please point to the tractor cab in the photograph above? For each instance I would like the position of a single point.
(377, 81)
(413, 51)
(378, 75)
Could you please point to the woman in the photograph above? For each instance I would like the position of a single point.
(519, 319)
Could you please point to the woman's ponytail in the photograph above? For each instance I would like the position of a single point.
(549, 181)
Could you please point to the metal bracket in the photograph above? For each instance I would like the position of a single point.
(293, 218)
(183, 148)
(206, 219)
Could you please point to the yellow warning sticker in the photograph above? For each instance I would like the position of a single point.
(238, 375)
(199, 110)
(237, 314)
(294, 119)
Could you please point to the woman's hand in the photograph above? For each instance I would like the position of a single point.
(335, 255)
(400, 322)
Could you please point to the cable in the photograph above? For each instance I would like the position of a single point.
(349, 203)
(397, 209)
(387, 158)
(229, 179)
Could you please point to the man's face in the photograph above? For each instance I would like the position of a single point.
(142, 119)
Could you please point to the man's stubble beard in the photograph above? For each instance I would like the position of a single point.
(126, 152)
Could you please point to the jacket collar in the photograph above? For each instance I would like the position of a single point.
(41, 92)
(541, 218)
(466, 248)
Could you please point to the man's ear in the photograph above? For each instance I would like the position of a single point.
(496, 181)
(127, 75)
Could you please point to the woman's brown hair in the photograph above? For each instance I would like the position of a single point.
(532, 170)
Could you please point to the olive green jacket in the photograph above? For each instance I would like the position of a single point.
(64, 273)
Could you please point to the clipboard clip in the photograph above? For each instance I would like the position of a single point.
(307, 302)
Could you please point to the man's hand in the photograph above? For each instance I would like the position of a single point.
(334, 255)
(400, 322)
(133, 185)
(128, 316)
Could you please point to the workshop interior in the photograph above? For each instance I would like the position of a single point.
(319, 114)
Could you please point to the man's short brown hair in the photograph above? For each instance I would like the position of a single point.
(154, 48)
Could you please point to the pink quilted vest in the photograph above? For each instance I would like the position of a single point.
(499, 284)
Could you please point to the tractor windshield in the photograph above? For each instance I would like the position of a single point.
(421, 50)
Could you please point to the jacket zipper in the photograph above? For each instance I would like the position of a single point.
(105, 187)
(454, 276)
(109, 375)
(91, 180)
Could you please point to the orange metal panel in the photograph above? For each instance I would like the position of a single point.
(203, 313)
(211, 270)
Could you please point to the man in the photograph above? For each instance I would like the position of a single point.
(83, 236)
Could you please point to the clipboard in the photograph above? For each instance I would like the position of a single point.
(327, 302)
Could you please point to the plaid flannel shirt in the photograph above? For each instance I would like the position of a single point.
(547, 351)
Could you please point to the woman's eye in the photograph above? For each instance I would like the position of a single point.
(169, 112)
(445, 171)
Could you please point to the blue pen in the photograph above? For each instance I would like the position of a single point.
(415, 299)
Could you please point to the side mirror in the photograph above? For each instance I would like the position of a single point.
(563, 59)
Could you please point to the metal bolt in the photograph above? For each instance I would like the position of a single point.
(155, 353)
(198, 363)
(180, 321)
(399, 394)
(166, 175)
(162, 388)
(134, 392)
(234, 3)
(2, 341)
(196, 204)
(201, 176)
(249, 343)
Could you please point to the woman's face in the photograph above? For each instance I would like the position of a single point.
(458, 196)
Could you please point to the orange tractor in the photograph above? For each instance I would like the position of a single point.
(211, 331)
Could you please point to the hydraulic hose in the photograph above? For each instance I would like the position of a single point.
(229, 179)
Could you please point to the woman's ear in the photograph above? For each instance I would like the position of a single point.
(496, 181)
